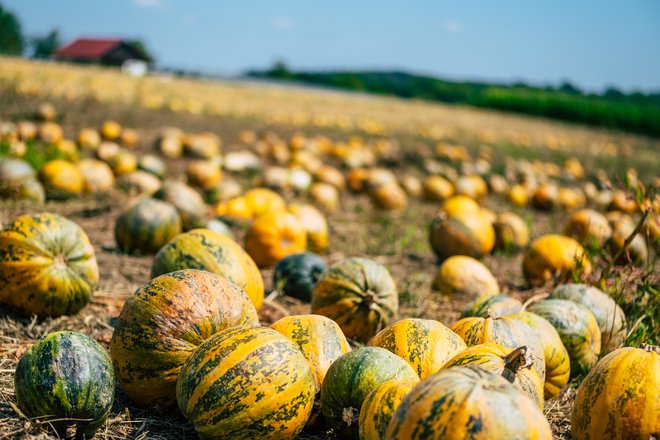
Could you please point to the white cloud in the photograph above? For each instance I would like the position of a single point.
(149, 3)
(452, 26)
(282, 23)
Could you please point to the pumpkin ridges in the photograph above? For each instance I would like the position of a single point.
(379, 406)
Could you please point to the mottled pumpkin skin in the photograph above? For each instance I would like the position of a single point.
(246, 383)
(379, 406)
(499, 305)
(188, 202)
(163, 322)
(273, 236)
(66, 375)
(147, 226)
(611, 319)
(359, 295)
(297, 274)
(577, 328)
(207, 250)
(557, 361)
(493, 358)
(425, 344)
(507, 332)
(319, 338)
(47, 266)
(351, 378)
(620, 397)
(552, 256)
(314, 223)
(490, 408)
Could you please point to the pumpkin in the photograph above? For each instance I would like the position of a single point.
(545, 197)
(152, 165)
(390, 196)
(349, 381)
(571, 198)
(26, 130)
(359, 294)
(203, 145)
(557, 362)
(437, 188)
(98, 175)
(18, 181)
(222, 192)
(110, 130)
(89, 139)
(411, 185)
(129, 137)
(314, 223)
(50, 132)
(472, 186)
(319, 338)
(611, 319)
(511, 232)
(462, 233)
(262, 200)
(61, 179)
(170, 145)
(332, 176)
(187, 201)
(46, 111)
(467, 402)
(588, 227)
(515, 365)
(204, 173)
(577, 328)
(246, 383)
(273, 236)
(498, 305)
(505, 331)
(124, 162)
(460, 204)
(297, 274)
(47, 266)
(146, 226)
(553, 256)
(216, 253)
(68, 377)
(163, 323)
(325, 196)
(636, 252)
(517, 195)
(139, 183)
(379, 406)
(425, 344)
(623, 201)
(219, 227)
(620, 397)
(107, 151)
(465, 277)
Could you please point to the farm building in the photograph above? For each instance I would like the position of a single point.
(114, 52)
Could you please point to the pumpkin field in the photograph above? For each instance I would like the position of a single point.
(186, 258)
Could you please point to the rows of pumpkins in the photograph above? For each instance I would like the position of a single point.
(190, 341)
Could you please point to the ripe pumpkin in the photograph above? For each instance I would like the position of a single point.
(499, 305)
(611, 319)
(273, 236)
(620, 397)
(577, 328)
(511, 232)
(490, 408)
(89, 139)
(517, 195)
(515, 365)
(390, 196)
(162, 324)
(206, 250)
(147, 226)
(465, 277)
(97, 175)
(325, 196)
(18, 181)
(473, 186)
(66, 375)
(359, 294)
(505, 331)
(425, 344)
(61, 179)
(557, 362)
(47, 266)
(152, 165)
(379, 406)
(263, 200)
(554, 255)
(139, 183)
(349, 381)
(246, 382)
(124, 162)
(236, 208)
(437, 188)
(204, 173)
(50, 132)
(462, 233)
(588, 227)
(636, 252)
(297, 274)
(545, 197)
(314, 223)
(188, 202)
(319, 338)
(110, 130)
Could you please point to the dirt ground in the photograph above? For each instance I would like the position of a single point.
(398, 240)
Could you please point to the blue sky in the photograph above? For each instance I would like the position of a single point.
(591, 43)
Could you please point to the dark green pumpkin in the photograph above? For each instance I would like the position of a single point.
(351, 378)
(66, 375)
(499, 305)
(147, 226)
(297, 274)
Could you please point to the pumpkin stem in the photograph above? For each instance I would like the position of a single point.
(60, 261)
(516, 360)
(534, 299)
(490, 314)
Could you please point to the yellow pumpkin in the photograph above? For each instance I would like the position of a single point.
(588, 227)
(437, 188)
(551, 255)
(315, 225)
(123, 162)
(623, 201)
(325, 195)
(273, 236)
(50, 132)
(545, 197)
(517, 195)
(467, 233)
(379, 406)
(46, 111)
(204, 173)
(62, 179)
(98, 175)
(332, 176)
(110, 130)
(89, 139)
(234, 208)
(511, 232)
(473, 186)
(390, 196)
(465, 278)
(129, 137)
(263, 200)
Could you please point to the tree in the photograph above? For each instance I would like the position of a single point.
(11, 35)
(141, 48)
(44, 45)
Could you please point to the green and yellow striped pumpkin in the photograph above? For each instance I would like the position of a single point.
(379, 406)
(467, 403)
(359, 294)
(498, 305)
(577, 328)
(425, 344)
(146, 226)
(163, 322)
(47, 266)
(557, 361)
(246, 382)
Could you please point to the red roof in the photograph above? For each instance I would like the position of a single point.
(87, 48)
